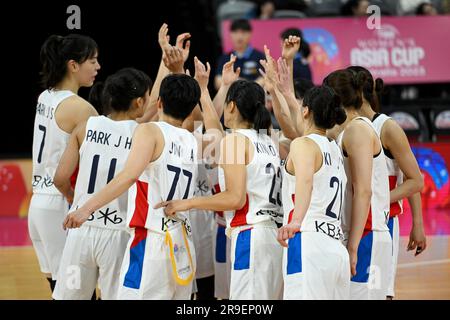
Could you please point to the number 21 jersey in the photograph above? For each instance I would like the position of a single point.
(329, 182)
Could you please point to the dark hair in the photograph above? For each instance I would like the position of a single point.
(372, 89)
(420, 10)
(96, 97)
(347, 8)
(305, 50)
(250, 98)
(301, 86)
(58, 50)
(179, 94)
(326, 107)
(240, 24)
(348, 85)
(123, 87)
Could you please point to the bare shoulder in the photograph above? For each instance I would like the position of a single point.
(77, 103)
(302, 145)
(358, 130)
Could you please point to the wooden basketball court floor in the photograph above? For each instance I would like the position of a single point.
(426, 276)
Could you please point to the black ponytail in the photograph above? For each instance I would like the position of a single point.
(325, 106)
(57, 51)
(372, 89)
(249, 98)
(262, 120)
(96, 97)
(124, 86)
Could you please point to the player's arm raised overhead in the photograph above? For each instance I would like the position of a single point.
(69, 162)
(141, 154)
(303, 154)
(280, 107)
(289, 49)
(358, 143)
(228, 77)
(163, 40)
(233, 198)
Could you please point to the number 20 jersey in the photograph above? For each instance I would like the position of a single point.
(49, 141)
(329, 183)
(103, 155)
(170, 177)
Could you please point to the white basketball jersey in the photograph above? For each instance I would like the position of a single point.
(324, 211)
(263, 198)
(213, 175)
(171, 177)
(103, 154)
(395, 174)
(49, 141)
(379, 203)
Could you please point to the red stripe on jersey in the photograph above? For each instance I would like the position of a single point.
(368, 226)
(292, 211)
(395, 208)
(240, 216)
(217, 190)
(139, 235)
(141, 206)
(73, 178)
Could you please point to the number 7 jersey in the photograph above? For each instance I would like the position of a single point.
(103, 154)
(329, 183)
(49, 141)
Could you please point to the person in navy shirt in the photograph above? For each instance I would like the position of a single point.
(301, 65)
(247, 56)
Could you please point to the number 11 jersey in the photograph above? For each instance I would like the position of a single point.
(103, 154)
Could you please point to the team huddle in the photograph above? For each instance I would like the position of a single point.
(154, 196)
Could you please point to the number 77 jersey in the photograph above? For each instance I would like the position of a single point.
(170, 177)
(329, 183)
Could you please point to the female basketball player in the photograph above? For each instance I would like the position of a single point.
(159, 261)
(68, 63)
(366, 200)
(316, 264)
(405, 178)
(100, 147)
(249, 175)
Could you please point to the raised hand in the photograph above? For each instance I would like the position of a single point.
(270, 73)
(202, 74)
(290, 48)
(228, 74)
(163, 37)
(285, 79)
(184, 46)
(173, 59)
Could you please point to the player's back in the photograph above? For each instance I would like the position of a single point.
(49, 141)
(324, 211)
(263, 198)
(379, 204)
(394, 172)
(170, 177)
(103, 154)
